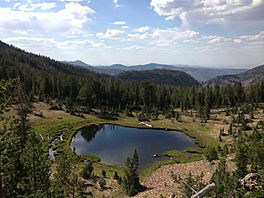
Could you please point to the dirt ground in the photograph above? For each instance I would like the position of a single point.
(161, 182)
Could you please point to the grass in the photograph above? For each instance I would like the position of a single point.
(110, 170)
(194, 150)
(175, 156)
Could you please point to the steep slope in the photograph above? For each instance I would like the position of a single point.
(251, 76)
(160, 76)
(18, 61)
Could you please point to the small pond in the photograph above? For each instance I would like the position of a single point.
(113, 143)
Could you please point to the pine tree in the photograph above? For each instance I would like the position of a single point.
(37, 183)
(131, 180)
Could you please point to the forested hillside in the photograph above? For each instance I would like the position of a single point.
(48, 79)
(252, 76)
(161, 76)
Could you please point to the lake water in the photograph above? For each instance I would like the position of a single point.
(113, 144)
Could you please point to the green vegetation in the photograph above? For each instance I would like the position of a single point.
(131, 182)
(87, 171)
(79, 97)
(175, 157)
(211, 153)
(160, 76)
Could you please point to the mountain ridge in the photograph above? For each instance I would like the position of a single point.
(252, 76)
(201, 74)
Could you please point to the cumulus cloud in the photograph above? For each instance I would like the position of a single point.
(46, 43)
(72, 17)
(34, 6)
(142, 29)
(119, 23)
(144, 36)
(172, 35)
(111, 34)
(210, 11)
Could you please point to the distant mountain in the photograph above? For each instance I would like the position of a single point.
(251, 76)
(78, 63)
(201, 74)
(160, 76)
(98, 69)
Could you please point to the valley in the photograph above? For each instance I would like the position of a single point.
(52, 114)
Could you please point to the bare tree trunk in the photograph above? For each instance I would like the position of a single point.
(1, 187)
(204, 191)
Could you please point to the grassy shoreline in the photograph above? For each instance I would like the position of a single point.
(68, 125)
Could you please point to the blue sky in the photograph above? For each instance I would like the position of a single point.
(213, 33)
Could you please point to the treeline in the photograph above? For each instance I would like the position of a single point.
(111, 93)
(78, 88)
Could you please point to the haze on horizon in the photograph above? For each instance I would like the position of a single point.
(104, 32)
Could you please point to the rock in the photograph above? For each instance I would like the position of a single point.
(172, 195)
(250, 182)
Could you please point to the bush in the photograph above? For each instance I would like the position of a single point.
(87, 171)
(39, 114)
(115, 177)
(119, 180)
(211, 154)
(142, 117)
(56, 107)
(102, 183)
(107, 116)
(103, 173)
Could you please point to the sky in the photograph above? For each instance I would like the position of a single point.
(213, 33)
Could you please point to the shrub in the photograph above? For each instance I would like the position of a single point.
(102, 183)
(142, 117)
(115, 177)
(211, 154)
(103, 173)
(87, 171)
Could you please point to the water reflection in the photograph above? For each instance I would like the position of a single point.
(113, 144)
(89, 132)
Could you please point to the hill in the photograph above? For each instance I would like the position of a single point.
(160, 76)
(14, 61)
(249, 77)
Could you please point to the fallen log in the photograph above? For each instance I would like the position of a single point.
(204, 191)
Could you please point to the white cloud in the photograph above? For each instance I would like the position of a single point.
(47, 43)
(216, 39)
(238, 41)
(125, 27)
(34, 6)
(172, 35)
(210, 11)
(72, 0)
(259, 36)
(142, 29)
(72, 17)
(111, 34)
(116, 3)
(145, 36)
(119, 23)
